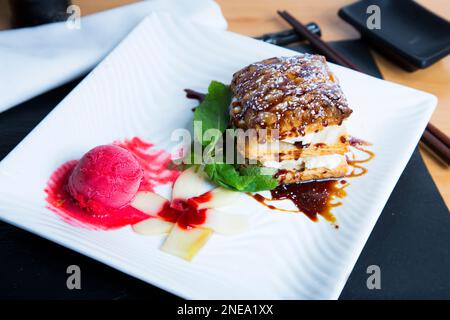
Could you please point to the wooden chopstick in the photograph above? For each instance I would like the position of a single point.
(435, 139)
(439, 135)
(436, 145)
(316, 42)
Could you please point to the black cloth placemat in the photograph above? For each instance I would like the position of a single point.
(409, 242)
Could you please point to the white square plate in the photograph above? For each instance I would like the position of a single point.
(138, 91)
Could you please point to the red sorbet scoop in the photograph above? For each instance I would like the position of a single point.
(106, 177)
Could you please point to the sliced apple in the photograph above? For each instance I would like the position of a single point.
(152, 226)
(219, 197)
(225, 223)
(148, 202)
(185, 243)
(189, 184)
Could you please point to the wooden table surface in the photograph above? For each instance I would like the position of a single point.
(254, 17)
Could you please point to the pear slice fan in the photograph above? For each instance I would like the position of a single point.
(186, 242)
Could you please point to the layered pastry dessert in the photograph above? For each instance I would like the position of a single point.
(299, 103)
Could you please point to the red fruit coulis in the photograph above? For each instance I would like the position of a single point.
(185, 213)
(156, 166)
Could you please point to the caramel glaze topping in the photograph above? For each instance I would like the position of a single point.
(288, 94)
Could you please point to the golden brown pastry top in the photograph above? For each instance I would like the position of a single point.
(296, 95)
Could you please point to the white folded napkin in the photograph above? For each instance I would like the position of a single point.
(37, 59)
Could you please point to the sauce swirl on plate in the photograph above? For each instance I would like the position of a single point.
(318, 198)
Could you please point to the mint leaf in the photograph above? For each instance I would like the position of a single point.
(263, 178)
(254, 170)
(261, 183)
(250, 179)
(213, 112)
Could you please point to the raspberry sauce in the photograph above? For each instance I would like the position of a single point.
(156, 167)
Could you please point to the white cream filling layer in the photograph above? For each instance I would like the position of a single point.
(330, 161)
(329, 135)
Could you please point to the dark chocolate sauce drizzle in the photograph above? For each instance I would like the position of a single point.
(318, 198)
(312, 198)
(359, 170)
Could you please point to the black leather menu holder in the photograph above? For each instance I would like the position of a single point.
(410, 242)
